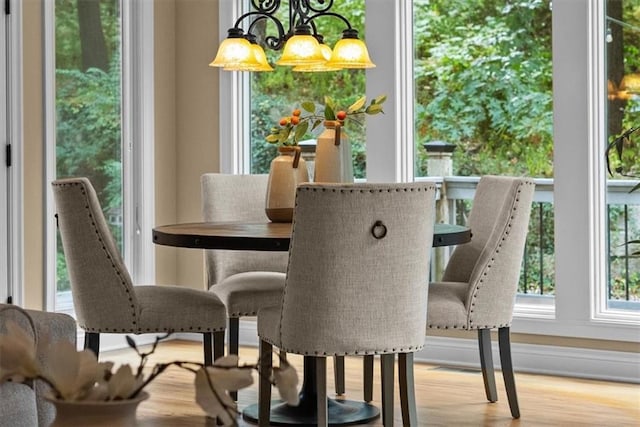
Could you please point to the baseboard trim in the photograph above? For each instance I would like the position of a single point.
(109, 342)
(531, 358)
(538, 359)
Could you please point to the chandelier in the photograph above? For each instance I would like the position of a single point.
(303, 48)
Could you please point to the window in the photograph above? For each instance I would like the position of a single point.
(483, 86)
(88, 97)
(4, 185)
(622, 37)
(577, 245)
(99, 122)
(11, 228)
(275, 94)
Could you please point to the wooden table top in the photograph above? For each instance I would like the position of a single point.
(264, 236)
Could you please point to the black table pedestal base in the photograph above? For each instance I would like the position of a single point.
(341, 413)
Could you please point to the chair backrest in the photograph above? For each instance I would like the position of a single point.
(228, 197)
(491, 262)
(358, 269)
(101, 287)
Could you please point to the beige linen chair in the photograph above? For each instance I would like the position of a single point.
(479, 285)
(244, 281)
(104, 297)
(356, 284)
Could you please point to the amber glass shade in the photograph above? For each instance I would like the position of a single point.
(301, 50)
(234, 51)
(631, 83)
(310, 68)
(260, 64)
(350, 52)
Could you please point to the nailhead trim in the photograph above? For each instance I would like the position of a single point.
(319, 353)
(242, 314)
(370, 190)
(492, 260)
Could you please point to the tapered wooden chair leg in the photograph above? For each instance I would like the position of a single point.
(387, 368)
(504, 343)
(234, 335)
(486, 364)
(264, 390)
(218, 345)
(207, 347)
(407, 389)
(321, 391)
(367, 375)
(338, 373)
(92, 342)
(234, 344)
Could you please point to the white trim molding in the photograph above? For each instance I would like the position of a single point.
(540, 359)
(234, 89)
(138, 124)
(533, 358)
(49, 100)
(390, 150)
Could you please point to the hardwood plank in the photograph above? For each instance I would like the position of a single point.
(444, 396)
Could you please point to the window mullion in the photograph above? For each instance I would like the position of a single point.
(390, 141)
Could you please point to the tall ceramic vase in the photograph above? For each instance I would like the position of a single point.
(114, 413)
(333, 155)
(286, 172)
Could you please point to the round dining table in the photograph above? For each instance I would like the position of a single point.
(275, 236)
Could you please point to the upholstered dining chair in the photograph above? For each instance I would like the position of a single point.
(104, 297)
(479, 284)
(244, 281)
(356, 284)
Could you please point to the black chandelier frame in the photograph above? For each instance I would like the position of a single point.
(302, 14)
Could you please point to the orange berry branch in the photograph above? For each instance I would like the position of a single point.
(293, 128)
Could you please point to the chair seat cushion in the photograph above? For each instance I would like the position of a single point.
(179, 309)
(446, 305)
(269, 324)
(245, 293)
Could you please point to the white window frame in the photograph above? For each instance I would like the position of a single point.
(579, 182)
(137, 136)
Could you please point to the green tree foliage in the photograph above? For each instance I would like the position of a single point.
(88, 113)
(483, 83)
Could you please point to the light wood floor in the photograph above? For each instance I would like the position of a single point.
(445, 396)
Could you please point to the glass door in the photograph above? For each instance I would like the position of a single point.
(4, 174)
(88, 100)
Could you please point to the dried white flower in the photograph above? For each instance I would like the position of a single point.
(285, 378)
(18, 351)
(72, 372)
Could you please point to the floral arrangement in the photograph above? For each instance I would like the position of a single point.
(293, 128)
(78, 376)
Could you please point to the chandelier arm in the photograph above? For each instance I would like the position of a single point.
(272, 42)
(307, 5)
(268, 7)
